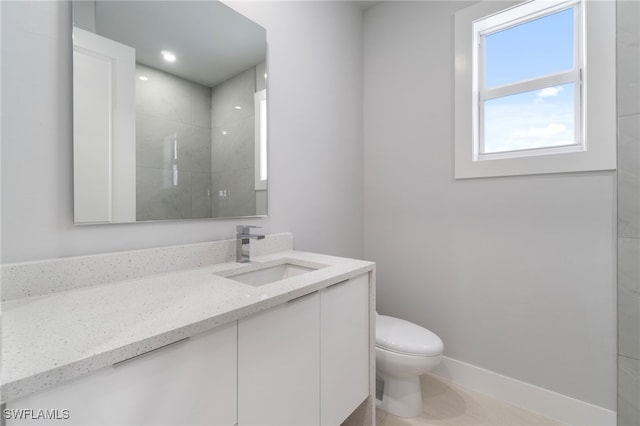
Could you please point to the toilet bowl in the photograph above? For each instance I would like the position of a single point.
(404, 351)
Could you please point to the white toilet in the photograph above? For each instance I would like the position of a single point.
(404, 351)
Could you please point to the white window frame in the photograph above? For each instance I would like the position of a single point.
(593, 75)
(507, 19)
(260, 111)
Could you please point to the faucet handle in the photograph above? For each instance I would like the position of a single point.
(244, 229)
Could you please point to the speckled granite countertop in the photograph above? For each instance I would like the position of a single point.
(54, 338)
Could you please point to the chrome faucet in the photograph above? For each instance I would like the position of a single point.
(242, 242)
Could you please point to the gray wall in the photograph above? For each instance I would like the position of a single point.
(173, 147)
(315, 71)
(628, 212)
(233, 146)
(516, 274)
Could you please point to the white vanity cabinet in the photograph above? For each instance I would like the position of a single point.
(190, 382)
(344, 355)
(306, 362)
(278, 360)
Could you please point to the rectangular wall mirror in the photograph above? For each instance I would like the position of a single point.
(169, 112)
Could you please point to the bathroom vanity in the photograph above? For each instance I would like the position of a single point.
(284, 340)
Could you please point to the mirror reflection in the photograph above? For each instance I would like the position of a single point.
(170, 112)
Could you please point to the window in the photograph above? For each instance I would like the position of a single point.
(522, 86)
(260, 103)
(528, 77)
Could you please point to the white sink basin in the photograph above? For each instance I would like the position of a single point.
(270, 272)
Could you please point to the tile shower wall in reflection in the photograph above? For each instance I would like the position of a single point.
(628, 76)
(233, 146)
(173, 147)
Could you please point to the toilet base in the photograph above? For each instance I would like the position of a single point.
(402, 397)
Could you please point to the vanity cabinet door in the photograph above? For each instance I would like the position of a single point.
(345, 348)
(278, 365)
(187, 383)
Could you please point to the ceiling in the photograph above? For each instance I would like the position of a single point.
(211, 41)
(364, 4)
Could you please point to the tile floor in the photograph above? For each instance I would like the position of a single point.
(446, 403)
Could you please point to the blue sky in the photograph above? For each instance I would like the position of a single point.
(541, 117)
(535, 119)
(529, 50)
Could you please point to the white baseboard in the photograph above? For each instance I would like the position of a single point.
(533, 398)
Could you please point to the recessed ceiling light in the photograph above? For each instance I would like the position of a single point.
(143, 78)
(168, 56)
(237, 107)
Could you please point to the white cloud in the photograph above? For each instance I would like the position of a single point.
(549, 92)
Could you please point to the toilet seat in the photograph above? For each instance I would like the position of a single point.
(404, 337)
